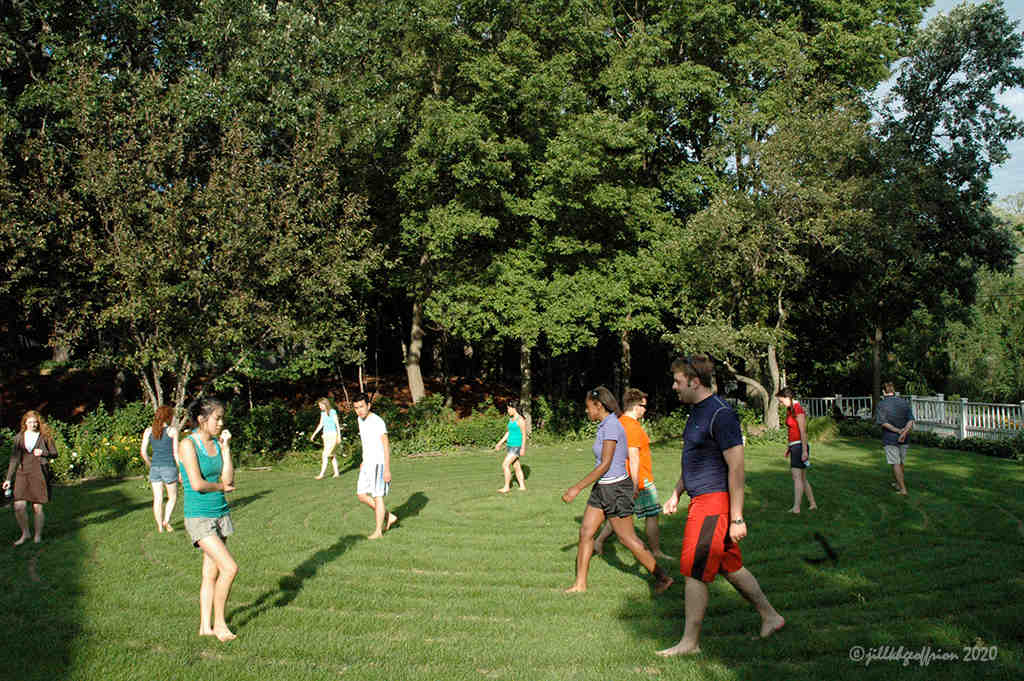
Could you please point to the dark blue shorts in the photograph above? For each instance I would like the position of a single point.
(796, 454)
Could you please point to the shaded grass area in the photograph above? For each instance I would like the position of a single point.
(469, 584)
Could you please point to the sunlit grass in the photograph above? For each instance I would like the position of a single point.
(469, 585)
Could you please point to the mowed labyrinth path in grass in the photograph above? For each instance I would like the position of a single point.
(469, 584)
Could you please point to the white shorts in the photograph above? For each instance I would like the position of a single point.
(371, 481)
(895, 453)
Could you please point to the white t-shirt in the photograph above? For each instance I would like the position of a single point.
(370, 430)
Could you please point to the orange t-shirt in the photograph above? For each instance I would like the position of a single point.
(636, 437)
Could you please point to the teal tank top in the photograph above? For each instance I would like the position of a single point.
(515, 434)
(163, 450)
(204, 504)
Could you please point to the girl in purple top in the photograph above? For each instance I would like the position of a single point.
(612, 493)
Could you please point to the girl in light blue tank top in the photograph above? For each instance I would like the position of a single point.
(332, 435)
(207, 473)
(163, 466)
(515, 440)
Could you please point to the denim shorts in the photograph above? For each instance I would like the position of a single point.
(514, 451)
(164, 474)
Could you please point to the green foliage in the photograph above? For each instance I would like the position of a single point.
(668, 427)
(822, 429)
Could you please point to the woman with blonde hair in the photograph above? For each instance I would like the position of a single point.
(30, 469)
(331, 435)
(163, 466)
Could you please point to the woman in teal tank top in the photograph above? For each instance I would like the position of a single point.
(162, 438)
(515, 440)
(207, 473)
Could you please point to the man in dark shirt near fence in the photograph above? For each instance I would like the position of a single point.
(713, 475)
(896, 417)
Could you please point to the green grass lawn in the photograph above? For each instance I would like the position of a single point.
(469, 584)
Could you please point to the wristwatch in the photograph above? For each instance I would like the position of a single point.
(738, 521)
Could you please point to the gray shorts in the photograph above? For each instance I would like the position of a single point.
(200, 528)
(165, 474)
(514, 451)
(895, 454)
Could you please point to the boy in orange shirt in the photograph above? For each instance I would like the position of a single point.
(645, 494)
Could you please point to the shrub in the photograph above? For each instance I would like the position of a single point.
(267, 431)
(480, 429)
(822, 429)
(1004, 448)
(669, 426)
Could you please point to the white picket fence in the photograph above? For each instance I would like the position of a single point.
(958, 418)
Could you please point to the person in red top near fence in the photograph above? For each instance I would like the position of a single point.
(798, 451)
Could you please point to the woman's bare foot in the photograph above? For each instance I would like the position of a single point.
(206, 632)
(576, 589)
(22, 540)
(224, 634)
(319, 477)
(375, 535)
(159, 528)
(522, 489)
(662, 585)
(169, 528)
(392, 519)
(795, 511)
(336, 475)
(37, 540)
(679, 649)
(812, 508)
(771, 625)
(503, 490)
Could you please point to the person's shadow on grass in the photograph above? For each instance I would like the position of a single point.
(411, 507)
(289, 586)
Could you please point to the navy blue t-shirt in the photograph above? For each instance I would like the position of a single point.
(712, 428)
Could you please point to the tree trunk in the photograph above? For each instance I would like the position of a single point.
(412, 356)
(179, 393)
(627, 362)
(526, 388)
(769, 413)
(61, 353)
(776, 376)
(876, 368)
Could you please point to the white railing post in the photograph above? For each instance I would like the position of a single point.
(839, 403)
(963, 418)
(942, 407)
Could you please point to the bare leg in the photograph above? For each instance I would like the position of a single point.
(507, 472)
(654, 536)
(323, 463)
(602, 537)
(39, 520)
(21, 515)
(217, 582)
(380, 513)
(592, 519)
(330, 452)
(696, 605)
(798, 489)
(897, 471)
(172, 499)
(627, 535)
(158, 504)
(745, 582)
(520, 478)
(811, 503)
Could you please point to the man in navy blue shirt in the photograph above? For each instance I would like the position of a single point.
(896, 417)
(713, 475)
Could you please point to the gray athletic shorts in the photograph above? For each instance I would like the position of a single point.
(200, 528)
(895, 453)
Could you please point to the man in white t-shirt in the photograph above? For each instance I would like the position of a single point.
(375, 471)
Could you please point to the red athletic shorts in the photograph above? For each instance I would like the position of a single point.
(707, 548)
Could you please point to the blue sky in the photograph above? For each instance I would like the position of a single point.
(1008, 178)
